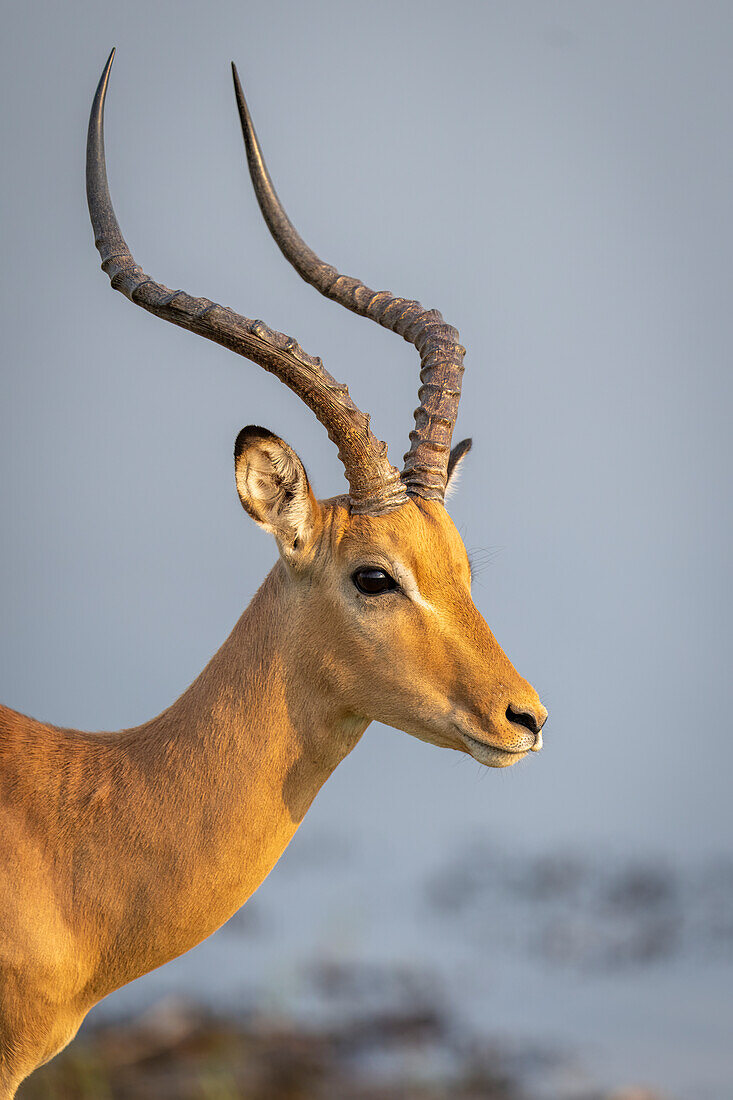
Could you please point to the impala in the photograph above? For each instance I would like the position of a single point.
(120, 851)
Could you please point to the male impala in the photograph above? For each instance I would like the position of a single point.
(121, 851)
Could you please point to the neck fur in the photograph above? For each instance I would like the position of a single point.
(158, 834)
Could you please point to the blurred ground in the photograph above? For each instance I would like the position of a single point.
(178, 1052)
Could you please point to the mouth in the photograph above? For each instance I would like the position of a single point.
(490, 755)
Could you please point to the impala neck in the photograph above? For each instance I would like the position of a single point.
(216, 786)
(256, 712)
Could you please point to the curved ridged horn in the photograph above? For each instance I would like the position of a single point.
(374, 485)
(441, 355)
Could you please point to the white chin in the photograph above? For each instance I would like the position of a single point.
(488, 755)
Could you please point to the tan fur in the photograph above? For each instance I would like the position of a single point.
(120, 851)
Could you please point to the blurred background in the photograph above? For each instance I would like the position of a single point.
(556, 177)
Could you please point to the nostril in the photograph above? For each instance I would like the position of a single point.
(523, 718)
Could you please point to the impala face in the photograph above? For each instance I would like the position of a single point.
(385, 603)
(420, 656)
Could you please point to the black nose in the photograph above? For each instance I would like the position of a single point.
(524, 718)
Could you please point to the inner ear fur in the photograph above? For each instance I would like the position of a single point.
(273, 486)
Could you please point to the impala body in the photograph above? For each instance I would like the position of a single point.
(120, 851)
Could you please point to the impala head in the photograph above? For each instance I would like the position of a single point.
(380, 578)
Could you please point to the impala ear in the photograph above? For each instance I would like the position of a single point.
(455, 462)
(273, 487)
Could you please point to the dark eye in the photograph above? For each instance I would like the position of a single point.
(372, 582)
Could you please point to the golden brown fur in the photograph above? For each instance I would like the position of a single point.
(120, 851)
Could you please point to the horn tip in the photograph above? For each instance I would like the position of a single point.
(104, 78)
(239, 94)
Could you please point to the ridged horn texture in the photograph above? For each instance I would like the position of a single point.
(441, 356)
(374, 484)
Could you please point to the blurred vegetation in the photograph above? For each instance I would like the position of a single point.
(177, 1052)
(180, 1053)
